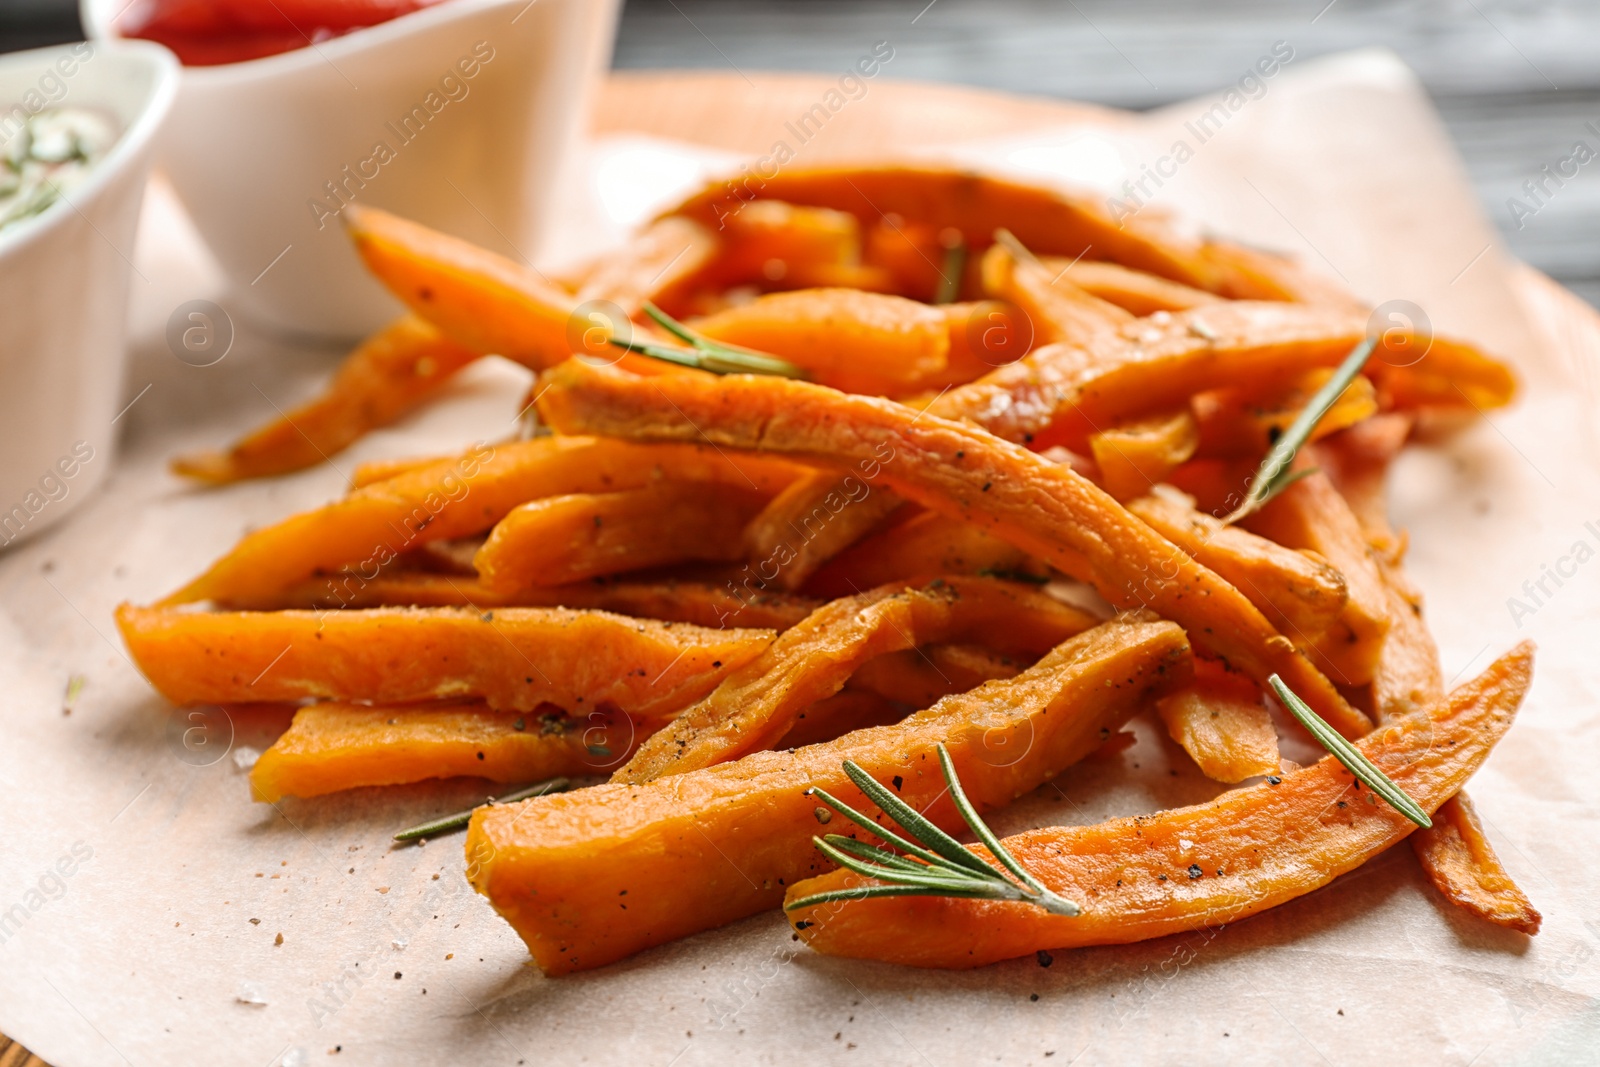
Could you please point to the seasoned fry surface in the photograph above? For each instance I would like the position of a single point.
(701, 849)
(333, 746)
(854, 463)
(1252, 848)
(1042, 507)
(812, 660)
(514, 658)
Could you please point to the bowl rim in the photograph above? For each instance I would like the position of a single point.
(98, 19)
(130, 144)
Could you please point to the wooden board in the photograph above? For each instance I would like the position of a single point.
(724, 111)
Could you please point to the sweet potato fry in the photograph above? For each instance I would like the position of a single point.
(1220, 720)
(1214, 863)
(914, 255)
(984, 334)
(1134, 457)
(835, 716)
(482, 300)
(703, 849)
(1248, 420)
(1046, 221)
(381, 470)
(1251, 274)
(810, 522)
(1357, 462)
(925, 543)
(1059, 310)
(1300, 593)
(387, 375)
(1462, 865)
(333, 747)
(920, 677)
(562, 539)
(1133, 290)
(1044, 508)
(756, 704)
(373, 525)
(1455, 852)
(1060, 394)
(1311, 515)
(513, 658)
(667, 599)
(773, 245)
(855, 341)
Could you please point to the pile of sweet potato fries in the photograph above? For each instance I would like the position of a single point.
(996, 498)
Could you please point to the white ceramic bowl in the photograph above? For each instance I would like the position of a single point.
(253, 146)
(64, 282)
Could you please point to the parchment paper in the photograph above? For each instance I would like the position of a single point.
(148, 949)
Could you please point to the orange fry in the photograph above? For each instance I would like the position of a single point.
(699, 850)
(1133, 290)
(831, 718)
(925, 543)
(371, 526)
(1060, 394)
(1311, 515)
(562, 539)
(1135, 456)
(1214, 863)
(333, 747)
(667, 599)
(855, 341)
(1220, 720)
(1044, 508)
(1302, 594)
(920, 677)
(1247, 420)
(1455, 852)
(1060, 311)
(812, 660)
(1046, 221)
(387, 375)
(513, 658)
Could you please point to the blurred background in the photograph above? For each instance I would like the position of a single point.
(1516, 80)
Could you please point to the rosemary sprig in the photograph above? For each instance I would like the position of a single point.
(705, 353)
(1019, 251)
(459, 820)
(1274, 474)
(935, 864)
(1354, 761)
(951, 272)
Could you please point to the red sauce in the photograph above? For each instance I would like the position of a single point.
(205, 33)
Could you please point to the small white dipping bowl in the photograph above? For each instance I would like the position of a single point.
(64, 281)
(264, 152)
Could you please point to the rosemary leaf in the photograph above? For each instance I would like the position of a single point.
(1352, 757)
(874, 854)
(915, 823)
(1274, 476)
(896, 875)
(459, 820)
(1019, 251)
(706, 354)
(946, 868)
(863, 892)
(672, 325)
(868, 824)
(951, 273)
(981, 829)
